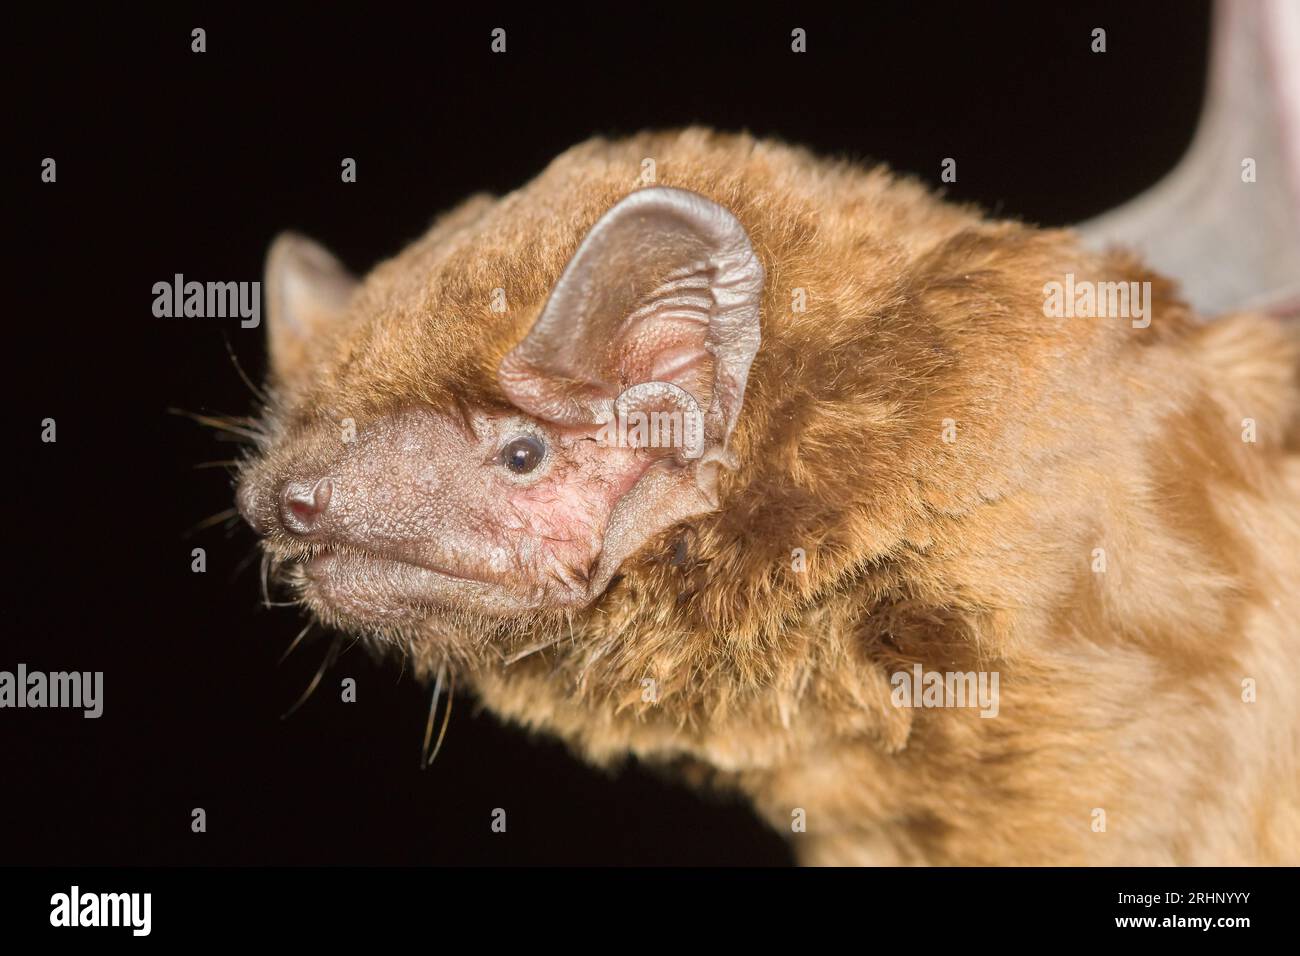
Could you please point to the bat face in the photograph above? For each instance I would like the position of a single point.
(415, 473)
(425, 509)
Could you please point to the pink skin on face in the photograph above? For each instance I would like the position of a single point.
(420, 512)
(562, 518)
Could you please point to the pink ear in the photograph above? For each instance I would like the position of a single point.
(307, 290)
(665, 287)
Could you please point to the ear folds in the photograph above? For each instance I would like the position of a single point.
(657, 311)
(665, 288)
(307, 290)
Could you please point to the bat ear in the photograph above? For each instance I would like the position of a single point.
(664, 288)
(307, 290)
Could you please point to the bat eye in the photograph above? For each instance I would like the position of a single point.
(523, 454)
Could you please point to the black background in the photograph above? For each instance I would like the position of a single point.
(171, 161)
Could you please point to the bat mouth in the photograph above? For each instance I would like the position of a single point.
(382, 589)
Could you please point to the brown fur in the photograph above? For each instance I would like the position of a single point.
(1120, 691)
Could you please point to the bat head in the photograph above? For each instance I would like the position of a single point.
(491, 484)
(543, 443)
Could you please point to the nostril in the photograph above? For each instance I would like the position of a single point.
(302, 503)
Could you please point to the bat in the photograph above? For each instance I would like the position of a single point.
(942, 539)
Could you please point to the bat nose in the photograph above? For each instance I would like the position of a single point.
(303, 505)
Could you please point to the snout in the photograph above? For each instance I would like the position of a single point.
(298, 507)
(392, 522)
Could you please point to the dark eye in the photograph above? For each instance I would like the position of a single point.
(523, 454)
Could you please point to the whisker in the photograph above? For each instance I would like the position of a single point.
(531, 649)
(244, 563)
(266, 573)
(221, 424)
(330, 656)
(225, 463)
(446, 717)
(296, 641)
(427, 758)
(234, 360)
(217, 518)
(433, 709)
